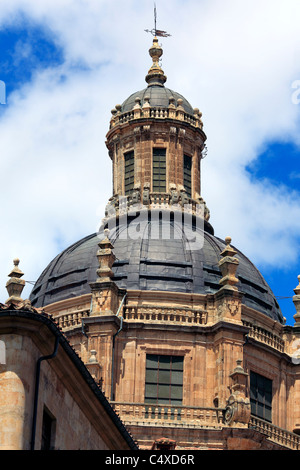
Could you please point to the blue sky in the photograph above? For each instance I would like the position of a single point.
(67, 63)
(25, 48)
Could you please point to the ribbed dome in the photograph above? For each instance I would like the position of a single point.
(159, 98)
(152, 262)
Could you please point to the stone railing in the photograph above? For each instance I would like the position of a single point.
(171, 112)
(264, 336)
(72, 319)
(182, 316)
(168, 415)
(145, 200)
(276, 434)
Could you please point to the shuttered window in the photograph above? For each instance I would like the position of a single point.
(164, 379)
(159, 170)
(261, 396)
(187, 174)
(129, 172)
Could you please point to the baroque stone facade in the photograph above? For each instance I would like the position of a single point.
(185, 340)
(48, 398)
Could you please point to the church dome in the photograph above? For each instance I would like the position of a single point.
(159, 97)
(153, 263)
(162, 257)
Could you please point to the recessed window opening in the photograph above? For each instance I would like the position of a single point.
(187, 174)
(48, 430)
(159, 170)
(129, 172)
(164, 379)
(261, 396)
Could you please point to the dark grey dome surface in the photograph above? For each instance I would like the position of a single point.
(152, 262)
(159, 97)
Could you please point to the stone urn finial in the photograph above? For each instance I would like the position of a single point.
(15, 285)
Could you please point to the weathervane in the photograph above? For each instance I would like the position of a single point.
(155, 31)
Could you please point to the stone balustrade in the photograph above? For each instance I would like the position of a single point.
(194, 417)
(260, 334)
(178, 114)
(276, 434)
(136, 202)
(166, 415)
(182, 316)
(71, 319)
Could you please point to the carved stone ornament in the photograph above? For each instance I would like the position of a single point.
(296, 300)
(238, 410)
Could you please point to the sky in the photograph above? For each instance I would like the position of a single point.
(66, 63)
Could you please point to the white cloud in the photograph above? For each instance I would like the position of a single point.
(234, 60)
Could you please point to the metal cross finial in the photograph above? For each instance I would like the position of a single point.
(155, 31)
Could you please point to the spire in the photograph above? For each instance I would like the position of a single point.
(155, 75)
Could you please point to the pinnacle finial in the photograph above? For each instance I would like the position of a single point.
(15, 284)
(228, 265)
(296, 300)
(155, 75)
(106, 258)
